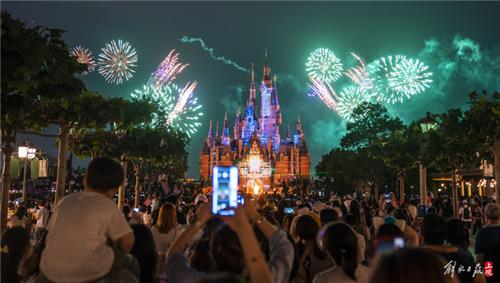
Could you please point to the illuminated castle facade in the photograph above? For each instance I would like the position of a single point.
(265, 158)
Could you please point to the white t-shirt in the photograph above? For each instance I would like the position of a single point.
(336, 274)
(42, 216)
(76, 249)
(164, 240)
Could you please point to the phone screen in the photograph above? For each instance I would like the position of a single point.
(387, 244)
(288, 210)
(225, 190)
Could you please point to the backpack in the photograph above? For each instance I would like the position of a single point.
(466, 213)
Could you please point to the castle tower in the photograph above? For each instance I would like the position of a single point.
(298, 135)
(253, 96)
(267, 111)
(210, 135)
(225, 132)
(237, 126)
(217, 130)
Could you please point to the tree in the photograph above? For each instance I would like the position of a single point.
(454, 150)
(483, 129)
(23, 50)
(371, 127)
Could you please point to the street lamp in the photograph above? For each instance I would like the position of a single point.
(120, 134)
(428, 123)
(26, 153)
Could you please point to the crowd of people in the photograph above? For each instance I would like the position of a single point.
(280, 237)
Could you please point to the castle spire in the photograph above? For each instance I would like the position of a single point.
(267, 72)
(217, 130)
(210, 135)
(225, 131)
(252, 99)
(288, 134)
(299, 125)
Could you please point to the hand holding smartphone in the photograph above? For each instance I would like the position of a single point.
(225, 190)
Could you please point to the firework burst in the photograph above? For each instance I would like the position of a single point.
(323, 65)
(177, 107)
(167, 71)
(381, 72)
(325, 92)
(117, 60)
(84, 56)
(349, 98)
(185, 115)
(359, 75)
(410, 77)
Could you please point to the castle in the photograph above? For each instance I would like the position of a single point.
(264, 158)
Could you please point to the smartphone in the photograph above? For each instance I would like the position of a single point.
(288, 210)
(422, 210)
(388, 243)
(136, 209)
(225, 190)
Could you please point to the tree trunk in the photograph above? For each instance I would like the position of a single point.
(62, 160)
(7, 151)
(375, 190)
(137, 188)
(121, 189)
(401, 188)
(496, 167)
(423, 183)
(454, 192)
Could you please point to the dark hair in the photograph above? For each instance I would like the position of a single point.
(15, 243)
(328, 215)
(456, 233)
(200, 255)
(172, 198)
(434, 229)
(414, 265)
(342, 244)
(389, 229)
(226, 251)
(21, 212)
(104, 174)
(220, 277)
(126, 212)
(145, 251)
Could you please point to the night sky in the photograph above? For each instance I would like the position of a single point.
(241, 31)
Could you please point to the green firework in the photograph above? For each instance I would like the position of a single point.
(323, 65)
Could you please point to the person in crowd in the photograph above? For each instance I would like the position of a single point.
(414, 265)
(340, 241)
(146, 217)
(488, 241)
(174, 199)
(166, 229)
(465, 213)
(42, 219)
(145, 252)
(309, 259)
(15, 250)
(403, 220)
(201, 259)
(457, 234)
(351, 221)
(434, 235)
(477, 217)
(227, 251)
(221, 277)
(328, 215)
(20, 219)
(81, 228)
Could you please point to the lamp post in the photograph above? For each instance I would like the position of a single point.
(427, 124)
(25, 153)
(120, 134)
